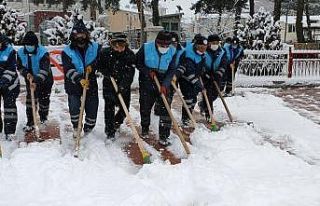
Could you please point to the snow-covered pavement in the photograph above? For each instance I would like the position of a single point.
(276, 162)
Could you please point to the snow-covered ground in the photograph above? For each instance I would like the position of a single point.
(276, 162)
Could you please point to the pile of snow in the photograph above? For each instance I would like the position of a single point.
(239, 165)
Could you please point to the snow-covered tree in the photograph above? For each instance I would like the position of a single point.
(260, 32)
(10, 25)
(61, 28)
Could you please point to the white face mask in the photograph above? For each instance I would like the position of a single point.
(163, 50)
(214, 46)
(200, 53)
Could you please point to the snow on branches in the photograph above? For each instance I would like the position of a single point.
(61, 27)
(260, 32)
(10, 25)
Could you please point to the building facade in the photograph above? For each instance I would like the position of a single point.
(288, 25)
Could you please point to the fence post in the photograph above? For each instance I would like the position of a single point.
(290, 63)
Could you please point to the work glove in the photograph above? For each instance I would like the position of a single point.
(152, 74)
(164, 90)
(84, 83)
(121, 90)
(89, 69)
(30, 78)
(174, 80)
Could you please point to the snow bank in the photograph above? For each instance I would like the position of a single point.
(235, 166)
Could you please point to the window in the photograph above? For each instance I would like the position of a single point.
(292, 28)
(174, 26)
(165, 25)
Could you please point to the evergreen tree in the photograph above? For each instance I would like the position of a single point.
(10, 25)
(61, 28)
(260, 32)
(93, 5)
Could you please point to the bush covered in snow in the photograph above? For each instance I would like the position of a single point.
(260, 32)
(61, 28)
(10, 25)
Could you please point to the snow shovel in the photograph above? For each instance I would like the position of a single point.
(144, 153)
(250, 123)
(214, 126)
(223, 101)
(34, 112)
(175, 124)
(82, 106)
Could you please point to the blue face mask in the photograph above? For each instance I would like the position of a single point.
(30, 48)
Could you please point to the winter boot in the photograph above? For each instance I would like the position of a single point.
(109, 139)
(144, 132)
(11, 137)
(75, 133)
(164, 141)
(87, 130)
(185, 123)
(28, 128)
(117, 125)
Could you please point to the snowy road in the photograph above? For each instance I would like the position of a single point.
(276, 162)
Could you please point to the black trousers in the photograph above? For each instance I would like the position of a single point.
(190, 96)
(212, 94)
(226, 84)
(42, 99)
(10, 111)
(110, 118)
(148, 97)
(91, 110)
